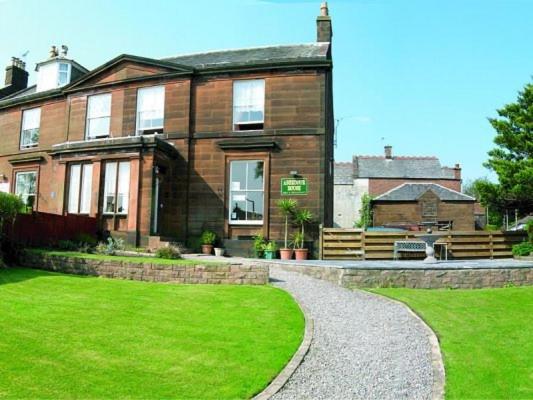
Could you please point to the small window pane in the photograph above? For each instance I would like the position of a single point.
(123, 187)
(31, 121)
(86, 187)
(255, 175)
(248, 101)
(98, 115)
(25, 187)
(74, 188)
(254, 203)
(150, 108)
(109, 187)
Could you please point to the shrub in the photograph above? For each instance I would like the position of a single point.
(110, 247)
(208, 237)
(259, 245)
(85, 238)
(169, 253)
(270, 246)
(67, 245)
(523, 249)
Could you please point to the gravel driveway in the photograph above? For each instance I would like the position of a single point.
(364, 346)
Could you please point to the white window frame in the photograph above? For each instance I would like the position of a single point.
(22, 130)
(89, 118)
(69, 72)
(116, 191)
(236, 85)
(84, 170)
(138, 130)
(246, 190)
(22, 173)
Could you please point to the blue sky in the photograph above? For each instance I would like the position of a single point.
(420, 75)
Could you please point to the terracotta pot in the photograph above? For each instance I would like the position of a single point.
(207, 249)
(301, 254)
(285, 254)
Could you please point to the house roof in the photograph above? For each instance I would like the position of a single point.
(343, 173)
(412, 191)
(249, 58)
(401, 167)
(255, 56)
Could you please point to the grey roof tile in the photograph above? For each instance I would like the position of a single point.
(343, 173)
(253, 56)
(412, 191)
(401, 167)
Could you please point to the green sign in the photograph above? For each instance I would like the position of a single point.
(293, 186)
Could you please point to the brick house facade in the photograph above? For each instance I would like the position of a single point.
(169, 147)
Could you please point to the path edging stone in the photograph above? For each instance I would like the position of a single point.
(281, 379)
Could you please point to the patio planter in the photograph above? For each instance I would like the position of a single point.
(219, 251)
(269, 254)
(301, 254)
(285, 254)
(207, 249)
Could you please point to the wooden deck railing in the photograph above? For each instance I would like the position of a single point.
(350, 244)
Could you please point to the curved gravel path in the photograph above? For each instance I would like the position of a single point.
(364, 346)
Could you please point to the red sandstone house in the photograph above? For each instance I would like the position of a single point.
(169, 147)
(376, 175)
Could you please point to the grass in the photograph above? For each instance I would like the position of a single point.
(64, 336)
(132, 259)
(486, 338)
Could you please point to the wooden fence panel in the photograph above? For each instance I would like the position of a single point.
(43, 229)
(350, 244)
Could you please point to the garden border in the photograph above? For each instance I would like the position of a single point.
(281, 379)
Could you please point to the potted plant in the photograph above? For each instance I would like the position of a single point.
(219, 251)
(301, 217)
(270, 249)
(208, 240)
(259, 245)
(287, 208)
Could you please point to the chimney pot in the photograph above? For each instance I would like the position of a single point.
(388, 152)
(53, 52)
(324, 12)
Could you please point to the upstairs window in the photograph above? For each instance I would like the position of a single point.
(63, 76)
(98, 116)
(117, 187)
(150, 110)
(79, 190)
(248, 105)
(31, 122)
(246, 192)
(26, 187)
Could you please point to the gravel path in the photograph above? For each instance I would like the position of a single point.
(364, 346)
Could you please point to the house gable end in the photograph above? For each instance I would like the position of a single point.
(127, 68)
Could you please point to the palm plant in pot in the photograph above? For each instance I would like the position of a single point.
(287, 208)
(302, 217)
(208, 240)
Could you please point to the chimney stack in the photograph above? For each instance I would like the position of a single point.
(324, 32)
(457, 171)
(16, 77)
(388, 152)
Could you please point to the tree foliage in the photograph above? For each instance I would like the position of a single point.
(512, 159)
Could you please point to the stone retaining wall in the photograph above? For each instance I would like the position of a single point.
(230, 273)
(427, 278)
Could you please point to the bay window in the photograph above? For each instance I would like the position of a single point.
(80, 186)
(247, 193)
(150, 109)
(116, 187)
(98, 116)
(248, 104)
(26, 187)
(31, 122)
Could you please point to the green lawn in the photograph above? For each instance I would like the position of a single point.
(486, 336)
(64, 336)
(140, 259)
